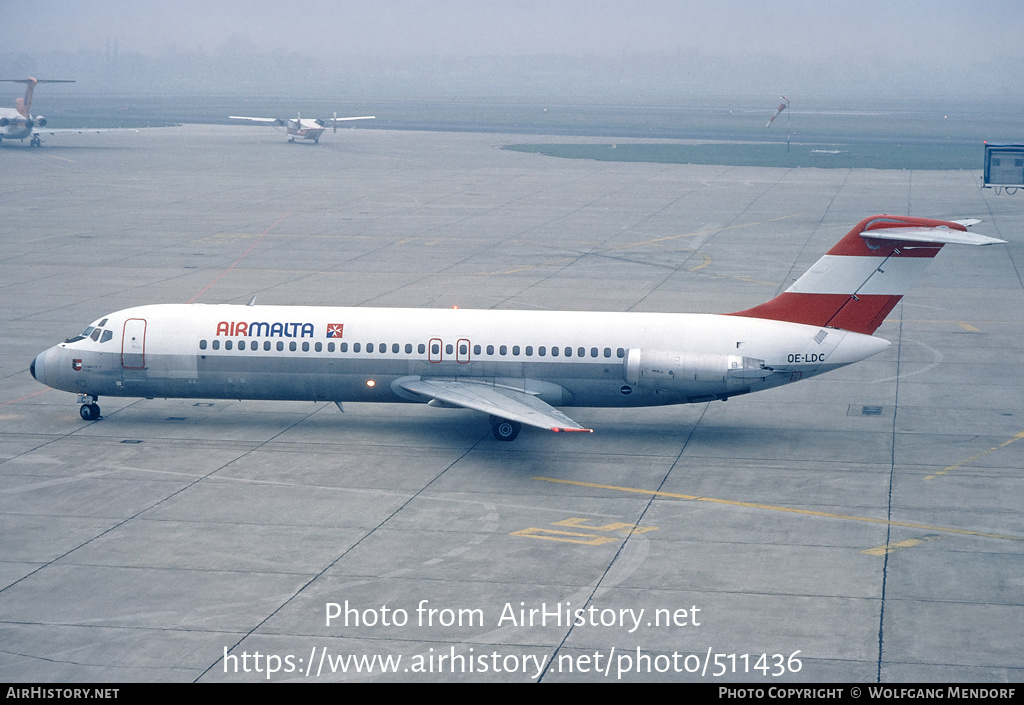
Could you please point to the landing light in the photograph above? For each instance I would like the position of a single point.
(370, 383)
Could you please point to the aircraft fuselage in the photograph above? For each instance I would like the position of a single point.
(366, 354)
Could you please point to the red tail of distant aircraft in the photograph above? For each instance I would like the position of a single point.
(18, 124)
(782, 106)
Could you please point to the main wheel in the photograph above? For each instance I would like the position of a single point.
(89, 412)
(506, 430)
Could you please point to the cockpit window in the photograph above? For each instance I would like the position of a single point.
(96, 335)
(107, 335)
(88, 331)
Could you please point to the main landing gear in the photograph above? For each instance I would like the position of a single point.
(35, 141)
(505, 430)
(90, 411)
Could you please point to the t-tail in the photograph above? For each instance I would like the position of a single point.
(860, 280)
(24, 105)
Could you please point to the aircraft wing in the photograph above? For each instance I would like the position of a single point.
(363, 117)
(503, 402)
(269, 121)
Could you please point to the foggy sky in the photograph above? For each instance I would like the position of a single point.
(642, 48)
(944, 31)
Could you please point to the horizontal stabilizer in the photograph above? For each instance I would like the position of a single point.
(940, 235)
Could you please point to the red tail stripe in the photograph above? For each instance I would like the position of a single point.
(861, 315)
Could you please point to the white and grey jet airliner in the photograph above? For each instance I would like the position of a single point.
(515, 366)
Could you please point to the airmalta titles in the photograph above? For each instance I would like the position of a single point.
(257, 329)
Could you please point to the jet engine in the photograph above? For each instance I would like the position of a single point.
(692, 372)
(40, 120)
(4, 122)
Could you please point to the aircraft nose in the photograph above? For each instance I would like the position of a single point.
(38, 368)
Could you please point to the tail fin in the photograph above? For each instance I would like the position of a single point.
(24, 105)
(862, 278)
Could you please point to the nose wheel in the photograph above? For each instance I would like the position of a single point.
(89, 411)
(505, 430)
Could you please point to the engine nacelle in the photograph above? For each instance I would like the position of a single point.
(40, 120)
(668, 370)
(4, 122)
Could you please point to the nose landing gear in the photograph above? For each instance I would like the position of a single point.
(89, 411)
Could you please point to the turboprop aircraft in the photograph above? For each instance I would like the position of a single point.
(302, 129)
(515, 366)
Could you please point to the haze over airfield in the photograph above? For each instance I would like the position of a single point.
(646, 47)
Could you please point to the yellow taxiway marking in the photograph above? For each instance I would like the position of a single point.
(968, 327)
(702, 232)
(909, 543)
(566, 536)
(790, 510)
(959, 465)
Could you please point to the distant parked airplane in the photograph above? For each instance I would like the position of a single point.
(514, 366)
(19, 123)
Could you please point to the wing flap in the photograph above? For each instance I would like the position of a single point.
(510, 404)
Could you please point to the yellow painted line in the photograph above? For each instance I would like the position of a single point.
(566, 536)
(702, 265)
(580, 523)
(968, 327)
(790, 510)
(909, 543)
(702, 232)
(550, 263)
(959, 465)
